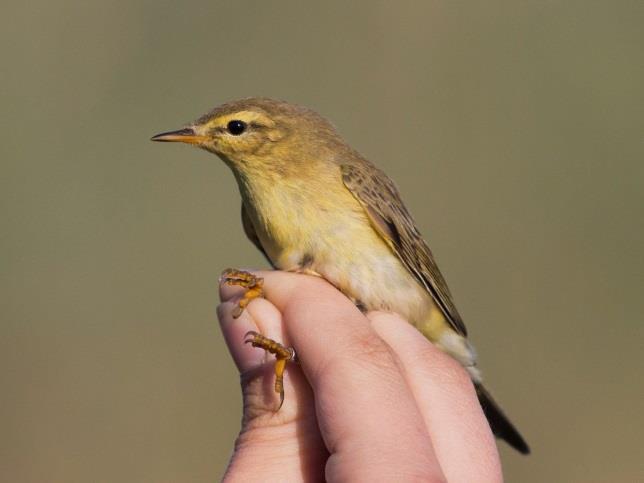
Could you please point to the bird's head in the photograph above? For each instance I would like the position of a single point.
(259, 133)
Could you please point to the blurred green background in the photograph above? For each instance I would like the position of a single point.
(513, 129)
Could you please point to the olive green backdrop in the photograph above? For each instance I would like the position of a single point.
(513, 129)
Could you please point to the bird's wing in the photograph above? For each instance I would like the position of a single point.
(379, 197)
(249, 229)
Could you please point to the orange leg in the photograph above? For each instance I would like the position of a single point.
(254, 288)
(283, 355)
(252, 283)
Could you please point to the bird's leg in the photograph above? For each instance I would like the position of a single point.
(282, 354)
(253, 285)
(254, 288)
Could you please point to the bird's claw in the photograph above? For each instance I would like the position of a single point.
(252, 335)
(253, 284)
(282, 354)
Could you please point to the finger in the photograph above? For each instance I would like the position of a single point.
(256, 366)
(260, 316)
(366, 412)
(287, 442)
(445, 394)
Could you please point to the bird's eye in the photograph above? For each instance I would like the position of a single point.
(236, 127)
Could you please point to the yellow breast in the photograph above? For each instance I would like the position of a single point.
(320, 228)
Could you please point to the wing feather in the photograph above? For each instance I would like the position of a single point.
(250, 232)
(380, 199)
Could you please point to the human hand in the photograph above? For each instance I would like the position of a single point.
(370, 399)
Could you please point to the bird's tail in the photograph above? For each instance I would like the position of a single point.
(500, 424)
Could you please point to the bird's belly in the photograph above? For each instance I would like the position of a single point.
(343, 248)
(348, 253)
(376, 280)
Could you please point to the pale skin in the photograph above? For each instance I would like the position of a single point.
(370, 399)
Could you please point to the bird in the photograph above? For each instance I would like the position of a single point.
(313, 204)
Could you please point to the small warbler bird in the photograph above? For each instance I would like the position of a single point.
(312, 204)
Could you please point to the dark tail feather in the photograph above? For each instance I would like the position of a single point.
(500, 424)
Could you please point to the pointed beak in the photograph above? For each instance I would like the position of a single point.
(185, 135)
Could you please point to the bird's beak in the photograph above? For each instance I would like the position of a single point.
(185, 135)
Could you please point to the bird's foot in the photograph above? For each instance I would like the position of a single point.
(254, 286)
(282, 354)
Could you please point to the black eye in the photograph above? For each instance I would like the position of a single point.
(236, 127)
